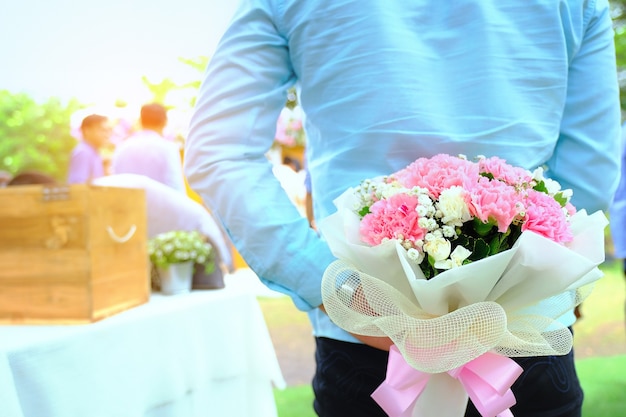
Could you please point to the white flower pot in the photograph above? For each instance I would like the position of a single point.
(176, 279)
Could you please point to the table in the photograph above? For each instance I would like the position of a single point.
(206, 353)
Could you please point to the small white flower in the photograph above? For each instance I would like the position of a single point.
(448, 231)
(437, 247)
(538, 174)
(422, 211)
(387, 190)
(458, 255)
(426, 223)
(407, 244)
(415, 255)
(552, 186)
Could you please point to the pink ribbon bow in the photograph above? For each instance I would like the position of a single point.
(486, 379)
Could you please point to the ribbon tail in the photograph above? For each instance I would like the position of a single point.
(401, 388)
(393, 402)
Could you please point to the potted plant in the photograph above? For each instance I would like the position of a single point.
(174, 254)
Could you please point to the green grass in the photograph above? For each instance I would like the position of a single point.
(604, 383)
(295, 401)
(599, 333)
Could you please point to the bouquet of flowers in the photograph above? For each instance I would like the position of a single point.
(463, 264)
(181, 246)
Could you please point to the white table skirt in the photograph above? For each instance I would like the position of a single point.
(207, 353)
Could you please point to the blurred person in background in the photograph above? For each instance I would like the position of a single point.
(5, 177)
(86, 162)
(148, 153)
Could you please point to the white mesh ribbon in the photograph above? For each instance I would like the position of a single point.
(508, 303)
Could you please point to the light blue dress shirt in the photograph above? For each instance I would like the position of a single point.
(383, 83)
(618, 208)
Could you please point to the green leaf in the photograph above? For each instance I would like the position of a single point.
(560, 199)
(541, 187)
(482, 229)
(480, 250)
(495, 244)
(364, 211)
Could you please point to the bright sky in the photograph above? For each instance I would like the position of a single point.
(97, 50)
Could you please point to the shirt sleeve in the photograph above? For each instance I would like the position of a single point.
(590, 129)
(617, 211)
(233, 127)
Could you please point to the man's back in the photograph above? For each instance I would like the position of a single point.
(424, 76)
(147, 153)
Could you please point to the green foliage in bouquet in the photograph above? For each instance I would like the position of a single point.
(181, 246)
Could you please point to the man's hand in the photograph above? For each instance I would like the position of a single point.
(382, 343)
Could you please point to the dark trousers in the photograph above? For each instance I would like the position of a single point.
(348, 373)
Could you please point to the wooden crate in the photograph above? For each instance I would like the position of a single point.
(73, 254)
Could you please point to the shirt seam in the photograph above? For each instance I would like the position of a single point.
(589, 12)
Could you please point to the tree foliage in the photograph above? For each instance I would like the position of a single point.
(35, 136)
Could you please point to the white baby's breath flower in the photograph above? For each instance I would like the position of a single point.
(567, 193)
(425, 200)
(538, 174)
(552, 186)
(422, 211)
(388, 190)
(448, 231)
(437, 247)
(415, 255)
(426, 223)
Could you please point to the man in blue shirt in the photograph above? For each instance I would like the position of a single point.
(383, 83)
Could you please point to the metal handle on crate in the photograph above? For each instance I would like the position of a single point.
(122, 239)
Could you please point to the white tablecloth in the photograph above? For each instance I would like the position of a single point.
(207, 353)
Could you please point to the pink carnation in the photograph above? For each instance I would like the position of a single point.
(438, 173)
(494, 201)
(545, 216)
(503, 171)
(390, 218)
